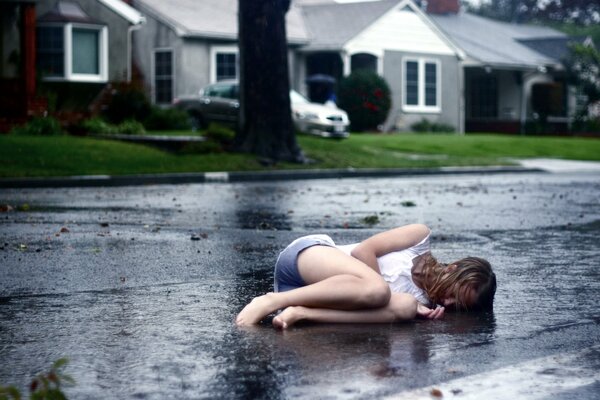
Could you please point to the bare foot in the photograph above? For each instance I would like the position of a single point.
(288, 317)
(256, 310)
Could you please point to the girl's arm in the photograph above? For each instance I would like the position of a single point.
(389, 241)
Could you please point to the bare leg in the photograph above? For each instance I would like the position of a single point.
(334, 280)
(402, 307)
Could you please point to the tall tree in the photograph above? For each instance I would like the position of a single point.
(582, 12)
(266, 127)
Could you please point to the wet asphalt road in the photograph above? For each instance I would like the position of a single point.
(111, 279)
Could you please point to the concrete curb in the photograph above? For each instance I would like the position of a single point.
(250, 176)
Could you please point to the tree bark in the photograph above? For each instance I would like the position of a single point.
(266, 127)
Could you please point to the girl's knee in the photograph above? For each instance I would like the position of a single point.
(376, 294)
(404, 306)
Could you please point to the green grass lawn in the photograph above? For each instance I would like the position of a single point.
(37, 156)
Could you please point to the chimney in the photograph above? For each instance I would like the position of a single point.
(443, 6)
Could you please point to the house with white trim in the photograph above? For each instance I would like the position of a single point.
(85, 40)
(442, 64)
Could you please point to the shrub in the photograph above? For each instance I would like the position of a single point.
(365, 96)
(167, 118)
(128, 101)
(130, 127)
(97, 126)
(39, 126)
(220, 134)
(427, 126)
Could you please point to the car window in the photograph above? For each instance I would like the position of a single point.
(224, 90)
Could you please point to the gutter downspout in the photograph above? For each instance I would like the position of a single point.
(130, 47)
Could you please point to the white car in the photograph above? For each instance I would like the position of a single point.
(319, 119)
(219, 103)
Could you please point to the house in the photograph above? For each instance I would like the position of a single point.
(442, 64)
(75, 47)
(187, 44)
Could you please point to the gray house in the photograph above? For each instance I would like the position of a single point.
(85, 40)
(442, 64)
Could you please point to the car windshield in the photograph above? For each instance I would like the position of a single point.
(297, 98)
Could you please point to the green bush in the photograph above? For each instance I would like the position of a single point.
(220, 134)
(97, 126)
(366, 97)
(427, 126)
(130, 127)
(39, 126)
(167, 119)
(128, 101)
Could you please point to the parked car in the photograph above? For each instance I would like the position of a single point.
(219, 103)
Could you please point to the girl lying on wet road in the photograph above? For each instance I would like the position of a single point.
(389, 277)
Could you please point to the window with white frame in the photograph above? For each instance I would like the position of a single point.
(163, 76)
(73, 52)
(224, 63)
(422, 85)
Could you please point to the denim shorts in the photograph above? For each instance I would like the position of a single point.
(287, 276)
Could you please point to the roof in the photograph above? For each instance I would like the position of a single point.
(212, 18)
(124, 10)
(65, 11)
(497, 43)
(557, 48)
(330, 26)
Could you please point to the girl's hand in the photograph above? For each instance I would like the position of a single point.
(428, 313)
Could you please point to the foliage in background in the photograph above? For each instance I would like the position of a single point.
(39, 126)
(167, 119)
(581, 12)
(45, 386)
(220, 134)
(131, 127)
(584, 70)
(366, 97)
(127, 101)
(99, 126)
(424, 125)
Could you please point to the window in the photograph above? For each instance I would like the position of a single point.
(224, 63)
(85, 51)
(163, 76)
(421, 85)
(51, 51)
(73, 52)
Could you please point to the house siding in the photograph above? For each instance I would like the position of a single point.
(117, 35)
(450, 98)
(152, 36)
(399, 30)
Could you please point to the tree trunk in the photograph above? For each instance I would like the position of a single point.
(266, 127)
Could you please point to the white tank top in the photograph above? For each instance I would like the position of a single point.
(396, 268)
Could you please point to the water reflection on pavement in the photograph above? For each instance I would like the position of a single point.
(143, 311)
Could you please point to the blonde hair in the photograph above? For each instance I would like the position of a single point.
(470, 273)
